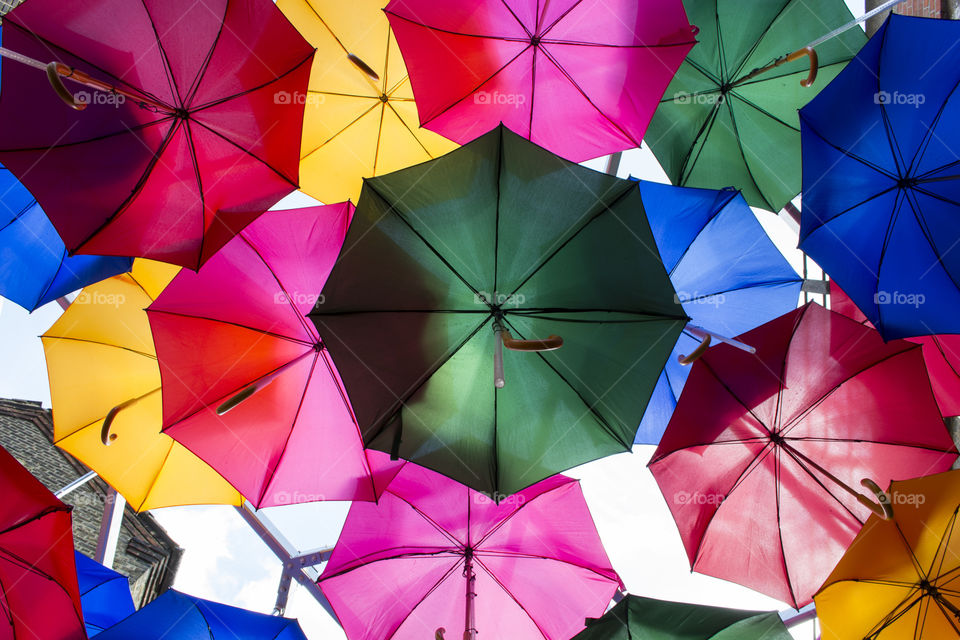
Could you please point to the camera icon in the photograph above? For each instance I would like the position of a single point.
(681, 97)
(881, 297)
(482, 97)
(282, 97)
(881, 97)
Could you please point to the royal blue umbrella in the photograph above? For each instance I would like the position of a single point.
(177, 616)
(881, 178)
(104, 595)
(34, 266)
(728, 274)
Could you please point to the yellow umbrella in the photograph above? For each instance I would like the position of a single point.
(100, 357)
(360, 120)
(900, 578)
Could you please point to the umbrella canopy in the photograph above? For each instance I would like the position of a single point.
(899, 577)
(499, 235)
(758, 460)
(880, 197)
(102, 367)
(104, 595)
(38, 580)
(581, 79)
(239, 326)
(636, 618)
(203, 145)
(34, 266)
(728, 274)
(941, 354)
(178, 616)
(716, 127)
(360, 120)
(405, 566)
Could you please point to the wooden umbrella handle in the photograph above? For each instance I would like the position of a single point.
(549, 344)
(697, 353)
(56, 82)
(814, 63)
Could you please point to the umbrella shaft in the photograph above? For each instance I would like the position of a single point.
(469, 617)
(852, 24)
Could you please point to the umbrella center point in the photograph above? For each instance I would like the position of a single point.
(318, 346)
(776, 438)
(535, 40)
(181, 114)
(384, 98)
(907, 182)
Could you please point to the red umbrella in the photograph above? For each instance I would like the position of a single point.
(39, 596)
(192, 131)
(940, 352)
(758, 461)
(434, 554)
(247, 384)
(581, 78)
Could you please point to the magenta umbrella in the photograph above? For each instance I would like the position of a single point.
(581, 78)
(434, 554)
(247, 384)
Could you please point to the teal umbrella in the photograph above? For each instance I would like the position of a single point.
(497, 242)
(636, 618)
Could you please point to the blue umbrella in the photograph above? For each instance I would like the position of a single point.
(881, 190)
(728, 274)
(34, 266)
(177, 616)
(104, 595)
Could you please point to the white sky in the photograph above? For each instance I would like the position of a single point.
(226, 562)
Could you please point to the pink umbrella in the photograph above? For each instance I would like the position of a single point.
(247, 384)
(435, 555)
(581, 78)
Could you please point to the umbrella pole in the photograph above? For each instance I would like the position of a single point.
(469, 616)
(504, 339)
(881, 507)
(245, 393)
(706, 336)
(57, 70)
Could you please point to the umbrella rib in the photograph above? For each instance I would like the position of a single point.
(895, 152)
(527, 556)
(156, 477)
(293, 424)
(200, 192)
(760, 38)
(239, 325)
(644, 316)
(430, 591)
(783, 556)
(64, 254)
(151, 356)
(800, 463)
(616, 125)
(848, 210)
(701, 136)
(376, 147)
(559, 19)
(510, 516)
(515, 17)
(533, 90)
(743, 154)
(245, 92)
(168, 68)
(603, 208)
(40, 514)
(513, 597)
(715, 211)
(705, 72)
(195, 85)
(922, 223)
(347, 126)
(760, 109)
(878, 442)
(847, 153)
(758, 285)
(452, 538)
(410, 131)
(944, 540)
(766, 77)
(363, 561)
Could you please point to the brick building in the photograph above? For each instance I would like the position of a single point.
(145, 552)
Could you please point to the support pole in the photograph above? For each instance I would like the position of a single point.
(110, 524)
(469, 617)
(76, 484)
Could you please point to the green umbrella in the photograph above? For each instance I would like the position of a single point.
(499, 234)
(636, 618)
(715, 127)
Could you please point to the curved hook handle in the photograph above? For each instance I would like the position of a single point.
(549, 344)
(105, 436)
(814, 63)
(53, 75)
(438, 634)
(363, 66)
(882, 507)
(697, 353)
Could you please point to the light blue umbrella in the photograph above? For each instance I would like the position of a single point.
(104, 595)
(728, 274)
(177, 616)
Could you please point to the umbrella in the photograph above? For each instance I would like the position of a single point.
(899, 577)
(38, 580)
(433, 554)
(581, 79)
(759, 458)
(247, 384)
(941, 354)
(360, 120)
(716, 126)
(728, 275)
(105, 392)
(880, 195)
(178, 616)
(499, 237)
(637, 618)
(104, 595)
(189, 130)
(34, 266)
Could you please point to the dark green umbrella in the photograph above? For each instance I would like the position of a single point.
(499, 232)
(715, 127)
(636, 618)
